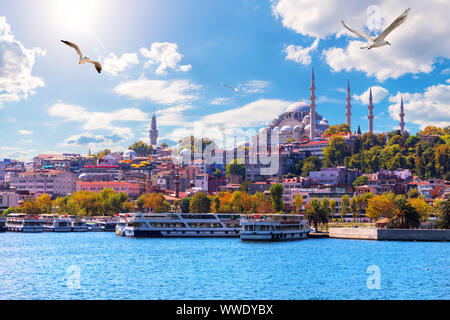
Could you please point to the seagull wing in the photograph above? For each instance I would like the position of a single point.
(97, 65)
(394, 25)
(73, 45)
(235, 90)
(361, 34)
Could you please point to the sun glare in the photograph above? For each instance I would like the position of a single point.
(75, 14)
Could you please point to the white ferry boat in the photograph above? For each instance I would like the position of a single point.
(2, 224)
(121, 221)
(94, 226)
(79, 225)
(158, 225)
(105, 223)
(55, 223)
(20, 222)
(274, 227)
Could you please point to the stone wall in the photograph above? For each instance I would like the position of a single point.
(390, 234)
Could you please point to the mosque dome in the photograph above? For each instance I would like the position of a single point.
(286, 129)
(297, 128)
(185, 152)
(276, 129)
(323, 122)
(298, 106)
(307, 127)
(129, 154)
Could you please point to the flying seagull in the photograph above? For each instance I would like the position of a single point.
(234, 89)
(83, 60)
(379, 41)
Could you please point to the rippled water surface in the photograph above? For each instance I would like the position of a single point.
(104, 266)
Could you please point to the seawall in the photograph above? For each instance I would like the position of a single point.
(390, 234)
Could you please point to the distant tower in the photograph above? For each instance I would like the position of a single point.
(153, 132)
(402, 118)
(312, 110)
(370, 117)
(348, 108)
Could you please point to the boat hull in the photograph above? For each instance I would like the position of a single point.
(272, 236)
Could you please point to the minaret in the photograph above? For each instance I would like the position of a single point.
(370, 117)
(153, 132)
(402, 118)
(312, 110)
(348, 108)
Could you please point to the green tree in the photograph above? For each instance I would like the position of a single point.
(200, 203)
(413, 193)
(298, 202)
(360, 181)
(276, 195)
(405, 217)
(234, 168)
(444, 214)
(335, 153)
(184, 204)
(325, 204)
(311, 163)
(141, 148)
(345, 204)
(315, 214)
(333, 205)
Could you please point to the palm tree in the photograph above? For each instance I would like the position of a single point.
(315, 214)
(405, 217)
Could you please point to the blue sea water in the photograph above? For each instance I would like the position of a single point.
(104, 266)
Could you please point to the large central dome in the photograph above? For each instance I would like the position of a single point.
(298, 106)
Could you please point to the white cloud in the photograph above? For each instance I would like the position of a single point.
(445, 72)
(26, 132)
(253, 114)
(166, 56)
(254, 86)
(432, 107)
(114, 65)
(378, 94)
(16, 65)
(159, 91)
(173, 116)
(413, 50)
(98, 120)
(301, 54)
(220, 101)
(90, 139)
(16, 153)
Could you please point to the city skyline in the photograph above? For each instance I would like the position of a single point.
(169, 59)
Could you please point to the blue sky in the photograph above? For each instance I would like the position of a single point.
(172, 56)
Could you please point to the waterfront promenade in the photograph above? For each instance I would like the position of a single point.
(390, 234)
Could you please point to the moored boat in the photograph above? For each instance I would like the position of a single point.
(159, 225)
(274, 227)
(121, 221)
(2, 224)
(79, 225)
(93, 226)
(55, 223)
(21, 222)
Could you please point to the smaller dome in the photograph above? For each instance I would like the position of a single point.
(276, 129)
(185, 152)
(323, 122)
(297, 128)
(129, 154)
(286, 129)
(298, 106)
(307, 127)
